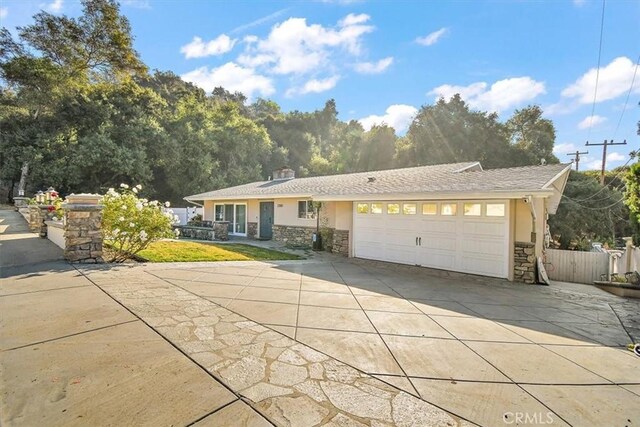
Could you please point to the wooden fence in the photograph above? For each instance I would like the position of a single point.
(576, 266)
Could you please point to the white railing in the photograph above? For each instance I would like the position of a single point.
(55, 232)
(185, 214)
(576, 266)
(620, 263)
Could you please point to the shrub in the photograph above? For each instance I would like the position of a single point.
(196, 221)
(130, 223)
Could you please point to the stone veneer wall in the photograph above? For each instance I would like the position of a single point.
(340, 242)
(83, 228)
(221, 230)
(297, 236)
(524, 262)
(196, 233)
(252, 230)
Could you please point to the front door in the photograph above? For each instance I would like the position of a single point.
(266, 220)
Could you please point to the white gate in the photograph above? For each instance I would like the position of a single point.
(576, 266)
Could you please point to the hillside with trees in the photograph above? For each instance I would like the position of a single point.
(80, 111)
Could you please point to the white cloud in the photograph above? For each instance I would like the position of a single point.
(611, 158)
(3, 12)
(232, 77)
(591, 121)
(353, 19)
(315, 86)
(615, 157)
(54, 7)
(433, 38)
(614, 80)
(502, 95)
(398, 116)
(579, 3)
(374, 67)
(198, 48)
(139, 4)
(295, 47)
(561, 150)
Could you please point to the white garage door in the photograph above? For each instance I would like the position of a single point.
(470, 237)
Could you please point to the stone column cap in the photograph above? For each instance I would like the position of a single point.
(83, 199)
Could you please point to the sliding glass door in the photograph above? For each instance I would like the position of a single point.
(241, 219)
(235, 214)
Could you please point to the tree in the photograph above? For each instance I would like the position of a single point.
(632, 197)
(532, 135)
(54, 58)
(378, 148)
(97, 45)
(449, 132)
(589, 211)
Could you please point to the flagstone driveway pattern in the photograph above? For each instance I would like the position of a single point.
(478, 348)
(287, 382)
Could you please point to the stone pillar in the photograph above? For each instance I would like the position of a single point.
(44, 211)
(524, 262)
(20, 202)
(221, 230)
(628, 253)
(341, 242)
(34, 218)
(83, 228)
(252, 230)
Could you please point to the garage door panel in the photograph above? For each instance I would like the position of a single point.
(400, 254)
(486, 247)
(488, 267)
(437, 226)
(483, 228)
(439, 242)
(433, 259)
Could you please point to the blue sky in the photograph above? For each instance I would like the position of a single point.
(381, 60)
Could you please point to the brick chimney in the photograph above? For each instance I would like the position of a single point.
(283, 173)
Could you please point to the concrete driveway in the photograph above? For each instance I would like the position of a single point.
(490, 351)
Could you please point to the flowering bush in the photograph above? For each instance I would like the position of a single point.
(130, 223)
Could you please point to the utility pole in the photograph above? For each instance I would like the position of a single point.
(605, 144)
(576, 159)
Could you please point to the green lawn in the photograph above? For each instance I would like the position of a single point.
(172, 251)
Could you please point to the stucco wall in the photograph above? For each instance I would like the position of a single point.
(524, 222)
(286, 213)
(343, 215)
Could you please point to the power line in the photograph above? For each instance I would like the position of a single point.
(595, 91)
(635, 71)
(631, 157)
(596, 209)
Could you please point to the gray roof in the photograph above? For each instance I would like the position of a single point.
(447, 178)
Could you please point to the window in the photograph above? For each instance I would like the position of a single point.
(376, 208)
(472, 209)
(495, 209)
(305, 209)
(409, 208)
(449, 209)
(363, 208)
(429, 209)
(393, 208)
(219, 214)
